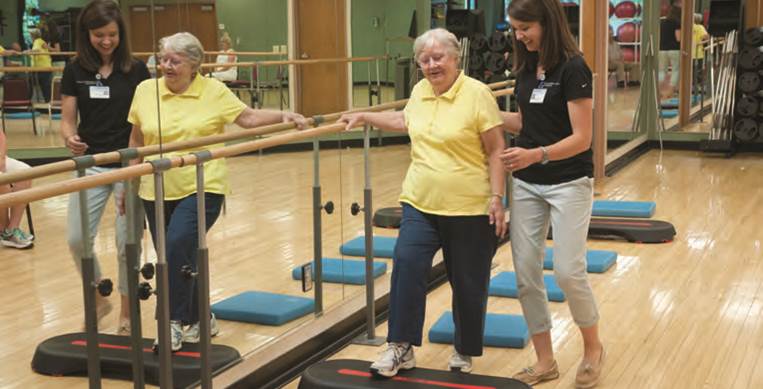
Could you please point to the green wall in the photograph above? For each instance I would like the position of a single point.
(391, 33)
(11, 20)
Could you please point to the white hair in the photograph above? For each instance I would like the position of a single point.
(437, 35)
(184, 43)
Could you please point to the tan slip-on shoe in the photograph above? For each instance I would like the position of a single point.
(529, 376)
(588, 374)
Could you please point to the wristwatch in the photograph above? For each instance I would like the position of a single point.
(544, 157)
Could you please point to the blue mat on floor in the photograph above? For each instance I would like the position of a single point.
(616, 208)
(384, 247)
(56, 116)
(598, 261)
(263, 308)
(20, 115)
(669, 113)
(343, 271)
(504, 284)
(501, 330)
(673, 102)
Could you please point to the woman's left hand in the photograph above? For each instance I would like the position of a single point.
(296, 118)
(517, 158)
(497, 216)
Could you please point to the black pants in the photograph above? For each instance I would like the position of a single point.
(468, 244)
(182, 243)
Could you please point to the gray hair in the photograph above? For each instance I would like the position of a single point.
(185, 44)
(698, 18)
(437, 35)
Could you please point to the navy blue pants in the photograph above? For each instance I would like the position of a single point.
(182, 244)
(468, 244)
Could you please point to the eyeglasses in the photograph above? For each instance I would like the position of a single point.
(436, 59)
(173, 62)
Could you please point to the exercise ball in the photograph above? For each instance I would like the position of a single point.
(627, 32)
(629, 54)
(626, 9)
(611, 9)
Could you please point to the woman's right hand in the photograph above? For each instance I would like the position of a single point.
(75, 144)
(353, 120)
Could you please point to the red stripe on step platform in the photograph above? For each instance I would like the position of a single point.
(636, 224)
(441, 384)
(145, 350)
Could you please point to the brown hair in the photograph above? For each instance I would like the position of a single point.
(97, 14)
(557, 43)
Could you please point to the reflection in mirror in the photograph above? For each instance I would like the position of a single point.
(624, 70)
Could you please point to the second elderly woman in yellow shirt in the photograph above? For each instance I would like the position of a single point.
(451, 200)
(190, 106)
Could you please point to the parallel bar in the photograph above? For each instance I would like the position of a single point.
(317, 230)
(202, 279)
(162, 286)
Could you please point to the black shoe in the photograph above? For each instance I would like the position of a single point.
(621, 84)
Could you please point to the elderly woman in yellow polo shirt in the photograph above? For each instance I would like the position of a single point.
(451, 200)
(190, 106)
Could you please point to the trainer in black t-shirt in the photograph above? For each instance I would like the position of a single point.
(546, 123)
(103, 121)
(668, 41)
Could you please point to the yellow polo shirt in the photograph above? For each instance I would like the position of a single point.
(202, 110)
(698, 31)
(448, 174)
(40, 61)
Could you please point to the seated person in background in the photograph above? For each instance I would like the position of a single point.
(616, 60)
(10, 219)
(225, 73)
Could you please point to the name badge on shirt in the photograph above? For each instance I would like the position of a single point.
(99, 92)
(538, 95)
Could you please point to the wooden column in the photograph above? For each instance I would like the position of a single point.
(594, 32)
(753, 13)
(685, 64)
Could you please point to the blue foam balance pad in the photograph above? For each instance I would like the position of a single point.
(501, 330)
(669, 113)
(263, 308)
(617, 208)
(56, 116)
(343, 271)
(384, 247)
(20, 115)
(504, 284)
(598, 261)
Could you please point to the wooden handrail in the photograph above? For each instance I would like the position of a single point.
(114, 157)
(127, 173)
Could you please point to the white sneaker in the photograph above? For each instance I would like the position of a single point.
(192, 332)
(460, 363)
(397, 356)
(176, 336)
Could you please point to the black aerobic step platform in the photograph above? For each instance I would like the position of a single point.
(354, 374)
(66, 355)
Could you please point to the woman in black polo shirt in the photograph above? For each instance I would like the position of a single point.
(99, 84)
(552, 168)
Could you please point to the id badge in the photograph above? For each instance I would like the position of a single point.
(99, 92)
(538, 95)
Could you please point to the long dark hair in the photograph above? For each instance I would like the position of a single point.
(557, 43)
(97, 14)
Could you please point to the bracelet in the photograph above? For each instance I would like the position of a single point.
(500, 196)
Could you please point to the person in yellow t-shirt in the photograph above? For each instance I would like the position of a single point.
(41, 61)
(699, 37)
(451, 197)
(192, 106)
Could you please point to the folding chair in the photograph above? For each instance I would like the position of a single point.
(17, 95)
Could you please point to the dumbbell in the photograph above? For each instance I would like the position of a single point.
(145, 290)
(104, 287)
(147, 271)
(750, 58)
(746, 130)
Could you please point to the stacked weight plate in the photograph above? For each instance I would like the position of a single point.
(748, 118)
